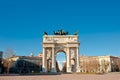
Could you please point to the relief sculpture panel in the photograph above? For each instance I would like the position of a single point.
(49, 53)
(73, 51)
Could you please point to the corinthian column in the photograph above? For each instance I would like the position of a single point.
(68, 60)
(78, 60)
(53, 61)
(44, 61)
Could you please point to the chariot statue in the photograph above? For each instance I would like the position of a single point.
(60, 32)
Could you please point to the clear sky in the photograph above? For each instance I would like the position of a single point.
(22, 23)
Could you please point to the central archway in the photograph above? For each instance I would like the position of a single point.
(52, 44)
(60, 61)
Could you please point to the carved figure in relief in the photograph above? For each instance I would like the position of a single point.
(48, 51)
(72, 53)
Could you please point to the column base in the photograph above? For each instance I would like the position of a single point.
(78, 69)
(43, 70)
(68, 69)
(53, 70)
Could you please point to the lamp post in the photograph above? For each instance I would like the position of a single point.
(112, 66)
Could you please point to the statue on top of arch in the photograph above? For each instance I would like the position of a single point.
(61, 32)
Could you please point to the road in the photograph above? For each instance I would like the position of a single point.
(108, 76)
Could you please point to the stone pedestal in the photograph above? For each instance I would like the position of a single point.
(78, 69)
(43, 70)
(53, 70)
(68, 69)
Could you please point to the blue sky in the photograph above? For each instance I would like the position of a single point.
(22, 23)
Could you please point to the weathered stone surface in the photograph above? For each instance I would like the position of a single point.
(68, 44)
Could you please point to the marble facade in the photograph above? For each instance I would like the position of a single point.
(52, 44)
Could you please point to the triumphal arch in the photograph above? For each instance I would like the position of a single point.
(60, 42)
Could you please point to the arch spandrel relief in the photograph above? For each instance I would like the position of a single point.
(60, 48)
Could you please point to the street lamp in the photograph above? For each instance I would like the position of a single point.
(112, 66)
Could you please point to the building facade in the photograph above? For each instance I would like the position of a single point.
(1, 53)
(99, 63)
(31, 64)
(24, 64)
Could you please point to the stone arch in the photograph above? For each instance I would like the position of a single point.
(53, 44)
(60, 50)
(59, 67)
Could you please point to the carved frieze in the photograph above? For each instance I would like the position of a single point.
(60, 39)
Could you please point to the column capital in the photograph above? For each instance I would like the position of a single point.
(68, 47)
(44, 47)
(53, 46)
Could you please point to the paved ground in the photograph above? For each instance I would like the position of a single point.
(109, 76)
